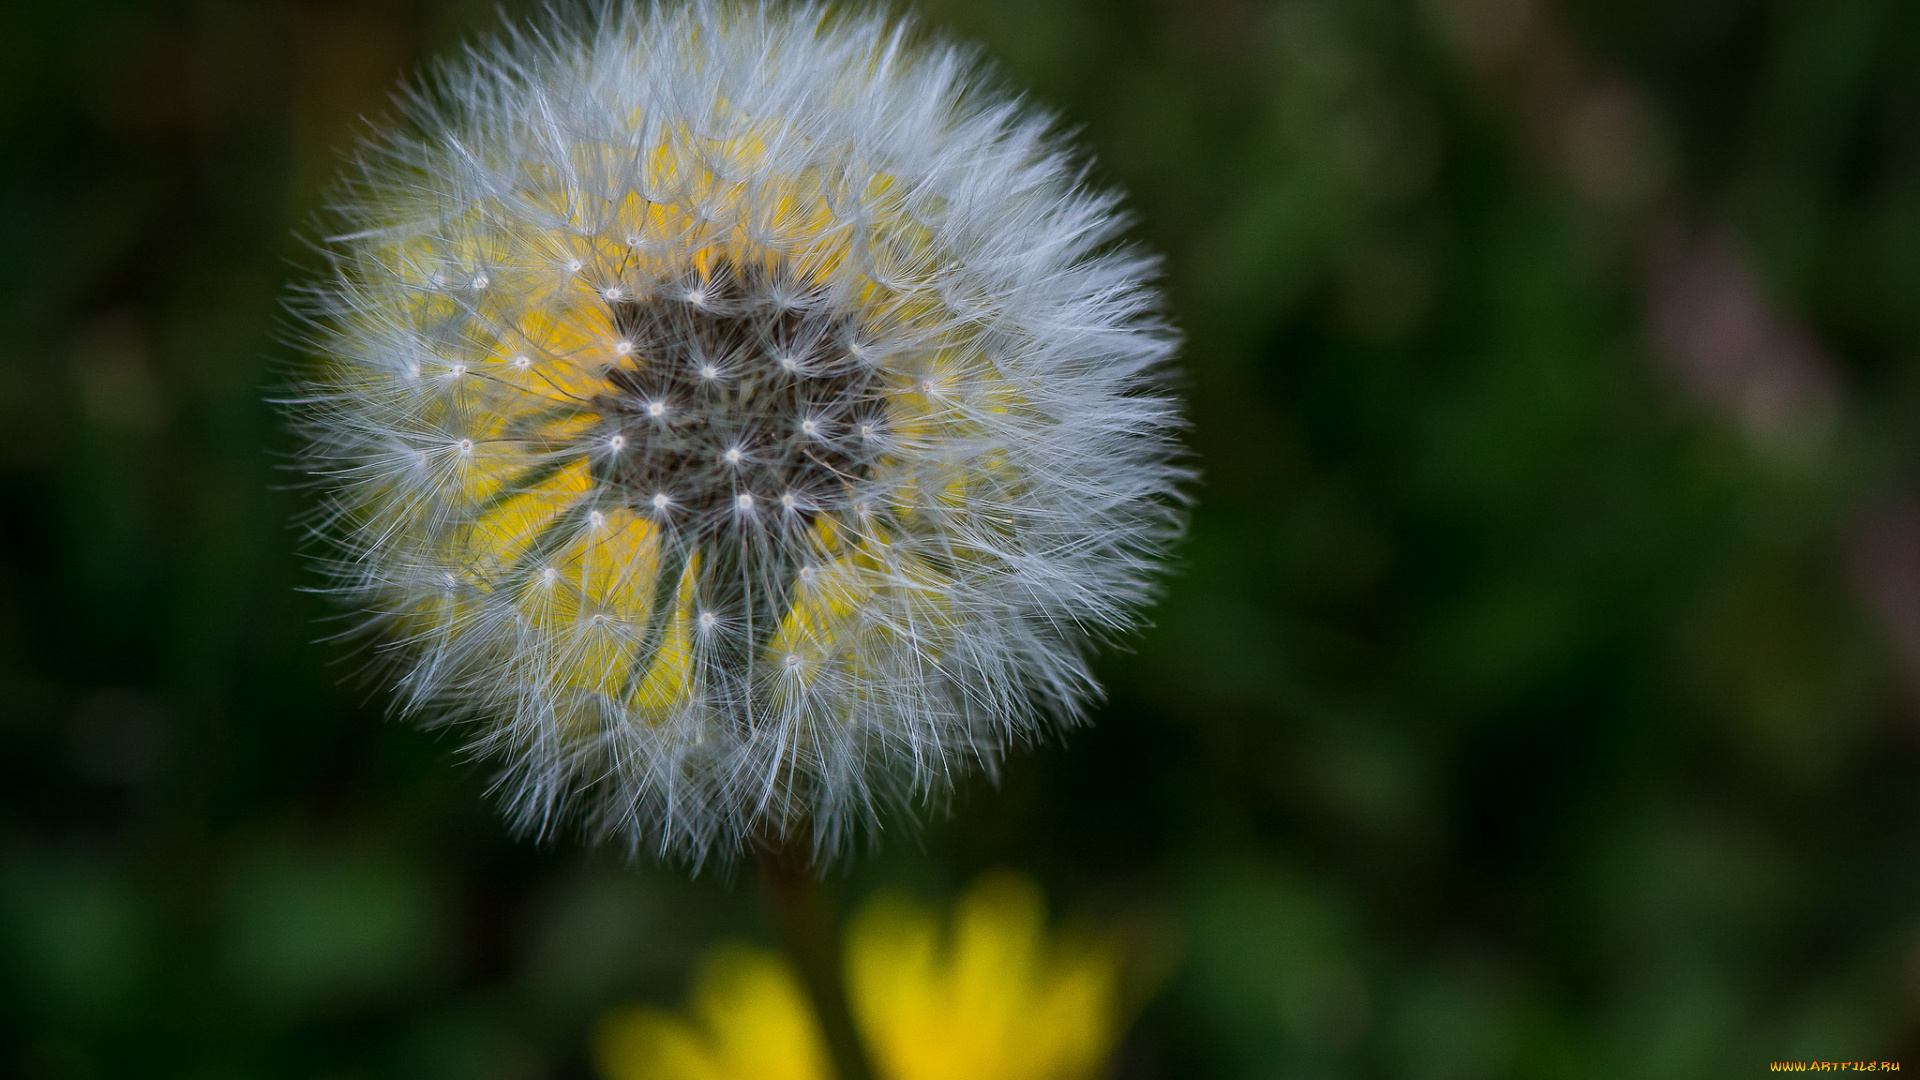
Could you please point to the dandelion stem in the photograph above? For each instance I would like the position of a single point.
(803, 908)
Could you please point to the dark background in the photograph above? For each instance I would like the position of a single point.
(1536, 695)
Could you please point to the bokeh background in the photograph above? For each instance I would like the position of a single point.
(1537, 696)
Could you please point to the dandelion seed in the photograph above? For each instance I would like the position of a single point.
(797, 204)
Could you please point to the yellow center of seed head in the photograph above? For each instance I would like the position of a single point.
(603, 399)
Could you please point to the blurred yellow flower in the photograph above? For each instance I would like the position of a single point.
(989, 996)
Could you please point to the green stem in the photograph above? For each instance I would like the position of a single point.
(804, 911)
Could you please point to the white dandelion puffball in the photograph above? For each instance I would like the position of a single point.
(737, 417)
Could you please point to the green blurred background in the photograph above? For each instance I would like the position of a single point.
(1536, 696)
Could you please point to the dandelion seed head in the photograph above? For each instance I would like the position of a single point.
(853, 282)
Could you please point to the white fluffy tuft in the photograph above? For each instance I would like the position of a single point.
(737, 416)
